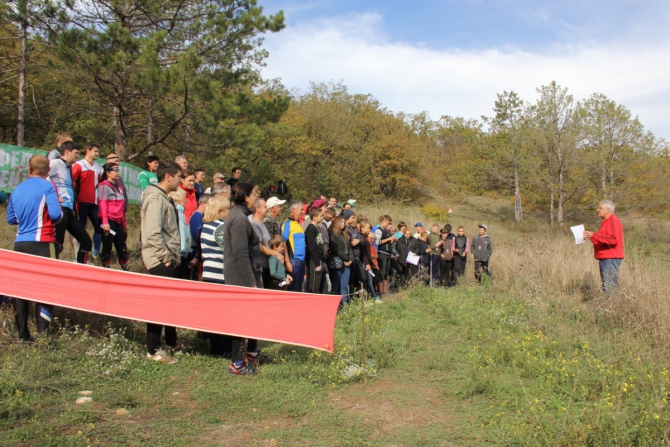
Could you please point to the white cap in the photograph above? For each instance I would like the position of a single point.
(273, 201)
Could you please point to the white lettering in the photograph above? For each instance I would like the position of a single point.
(25, 157)
(15, 158)
(4, 158)
(3, 179)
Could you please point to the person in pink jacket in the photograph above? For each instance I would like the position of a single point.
(112, 216)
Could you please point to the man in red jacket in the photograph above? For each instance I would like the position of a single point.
(608, 246)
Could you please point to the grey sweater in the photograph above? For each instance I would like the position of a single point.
(482, 247)
(242, 248)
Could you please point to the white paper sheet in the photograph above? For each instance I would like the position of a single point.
(578, 231)
(413, 259)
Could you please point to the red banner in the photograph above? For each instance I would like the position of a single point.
(287, 317)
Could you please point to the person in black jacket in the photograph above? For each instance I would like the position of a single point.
(316, 257)
(243, 267)
(339, 248)
(423, 250)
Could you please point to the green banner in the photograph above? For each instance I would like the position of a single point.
(14, 170)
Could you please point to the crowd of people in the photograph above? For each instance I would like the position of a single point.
(226, 234)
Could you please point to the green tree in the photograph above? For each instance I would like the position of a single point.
(160, 66)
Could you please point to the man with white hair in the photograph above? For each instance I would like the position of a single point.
(182, 162)
(221, 189)
(608, 246)
(271, 219)
(296, 247)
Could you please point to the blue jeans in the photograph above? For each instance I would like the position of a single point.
(609, 274)
(339, 280)
(298, 275)
(371, 284)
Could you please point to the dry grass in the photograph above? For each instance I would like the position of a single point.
(542, 264)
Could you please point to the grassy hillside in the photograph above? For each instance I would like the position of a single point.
(536, 357)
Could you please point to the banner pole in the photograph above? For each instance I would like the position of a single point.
(365, 360)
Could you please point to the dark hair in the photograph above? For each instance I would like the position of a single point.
(275, 241)
(235, 169)
(90, 146)
(401, 224)
(241, 191)
(166, 168)
(314, 212)
(186, 173)
(198, 170)
(150, 159)
(445, 231)
(106, 168)
(448, 227)
(67, 146)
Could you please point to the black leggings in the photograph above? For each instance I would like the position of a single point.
(22, 307)
(117, 240)
(71, 224)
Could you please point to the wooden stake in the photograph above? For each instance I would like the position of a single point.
(365, 360)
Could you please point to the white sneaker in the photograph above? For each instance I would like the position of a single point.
(161, 357)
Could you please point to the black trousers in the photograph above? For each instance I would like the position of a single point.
(447, 274)
(459, 264)
(118, 241)
(70, 223)
(238, 345)
(220, 345)
(22, 307)
(317, 280)
(154, 330)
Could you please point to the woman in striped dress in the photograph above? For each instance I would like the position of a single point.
(211, 239)
(211, 244)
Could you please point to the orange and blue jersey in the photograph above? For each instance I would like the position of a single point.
(35, 208)
(293, 233)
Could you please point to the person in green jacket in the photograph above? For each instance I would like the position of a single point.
(280, 280)
(148, 176)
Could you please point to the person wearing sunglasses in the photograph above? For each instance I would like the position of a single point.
(112, 216)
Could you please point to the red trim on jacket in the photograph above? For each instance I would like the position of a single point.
(191, 203)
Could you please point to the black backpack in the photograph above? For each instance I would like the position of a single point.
(282, 189)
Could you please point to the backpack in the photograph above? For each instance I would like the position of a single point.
(282, 189)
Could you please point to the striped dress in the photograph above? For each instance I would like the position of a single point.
(211, 243)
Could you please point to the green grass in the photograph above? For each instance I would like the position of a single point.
(468, 366)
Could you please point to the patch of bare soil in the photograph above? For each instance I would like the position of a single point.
(391, 406)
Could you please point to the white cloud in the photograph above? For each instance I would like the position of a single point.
(412, 78)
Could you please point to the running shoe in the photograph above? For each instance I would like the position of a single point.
(242, 370)
(161, 357)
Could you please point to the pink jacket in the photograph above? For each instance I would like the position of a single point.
(111, 203)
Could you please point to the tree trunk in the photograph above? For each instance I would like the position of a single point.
(120, 141)
(187, 140)
(518, 212)
(604, 182)
(561, 197)
(23, 69)
(150, 130)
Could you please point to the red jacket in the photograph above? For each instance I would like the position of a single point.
(608, 241)
(85, 179)
(191, 203)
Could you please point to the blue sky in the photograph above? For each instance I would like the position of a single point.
(452, 57)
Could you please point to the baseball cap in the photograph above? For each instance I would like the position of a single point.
(273, 201)
(219, 175)
(418, 224)
(351, 202)
(484, 227)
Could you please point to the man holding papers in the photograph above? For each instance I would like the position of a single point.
(608, 246)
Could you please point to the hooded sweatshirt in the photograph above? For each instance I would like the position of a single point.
(161, 241)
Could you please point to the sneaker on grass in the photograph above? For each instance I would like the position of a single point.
(161, 357)
(378, 301)
(256, 358)
(241, 370)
